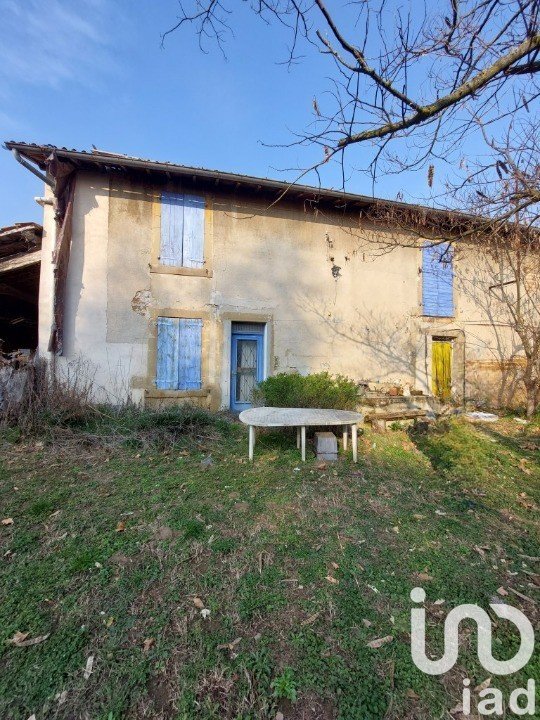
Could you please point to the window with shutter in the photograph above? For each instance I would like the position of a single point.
(182, 230)
(437, 280)
(179, 354)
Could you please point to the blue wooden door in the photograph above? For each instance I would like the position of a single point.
(247, 361)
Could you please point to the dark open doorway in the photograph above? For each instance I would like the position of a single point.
(20, 261)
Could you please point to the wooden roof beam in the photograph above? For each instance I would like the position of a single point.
(20, 261)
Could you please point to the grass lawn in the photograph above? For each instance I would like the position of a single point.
(191, 584)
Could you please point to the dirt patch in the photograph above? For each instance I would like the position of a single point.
(308, 707)
(241, 507)
(163, 532)
(161, 695)
(215, 687)
(379, 507)
(274, 515)
(119, 559)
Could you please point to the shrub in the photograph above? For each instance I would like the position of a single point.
(139, 427)
(62, 410)
(48, 401)
(318, 390)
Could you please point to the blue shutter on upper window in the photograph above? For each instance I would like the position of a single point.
(172, 229)
(182, 230)
(193, 252)
(437, 280)
(179, 354)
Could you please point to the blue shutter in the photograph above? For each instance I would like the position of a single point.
(167, 354)
(190, 354)
(172, 229)
(179, 354)
(193, 254)
(437, 280)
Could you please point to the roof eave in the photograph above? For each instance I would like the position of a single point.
(277, 188)
(38, 155)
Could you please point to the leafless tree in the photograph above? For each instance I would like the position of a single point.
(409, 82)
(420, 72)
(505, 193)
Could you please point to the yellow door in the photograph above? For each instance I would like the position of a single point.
(441, 368)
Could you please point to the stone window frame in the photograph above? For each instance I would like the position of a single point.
(155, 265)
(151, 391)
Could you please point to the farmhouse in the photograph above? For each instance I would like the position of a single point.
(164, 282)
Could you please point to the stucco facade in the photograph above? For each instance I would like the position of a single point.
(330, 298)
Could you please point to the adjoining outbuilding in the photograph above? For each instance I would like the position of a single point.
(20, 263)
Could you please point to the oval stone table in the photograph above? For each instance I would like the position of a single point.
(301, 418)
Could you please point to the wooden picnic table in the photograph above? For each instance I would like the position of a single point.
(301, 418)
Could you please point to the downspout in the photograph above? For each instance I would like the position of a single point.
(46, 179)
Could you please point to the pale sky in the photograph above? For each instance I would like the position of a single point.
(89, 72)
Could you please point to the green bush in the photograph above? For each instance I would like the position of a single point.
(319, 390)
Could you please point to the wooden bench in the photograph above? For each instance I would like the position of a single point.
(378, 420)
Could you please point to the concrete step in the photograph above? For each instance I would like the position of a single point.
(326, 446)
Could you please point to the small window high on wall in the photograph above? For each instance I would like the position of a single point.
(179, 353)
(437, 280)
(182, 230)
